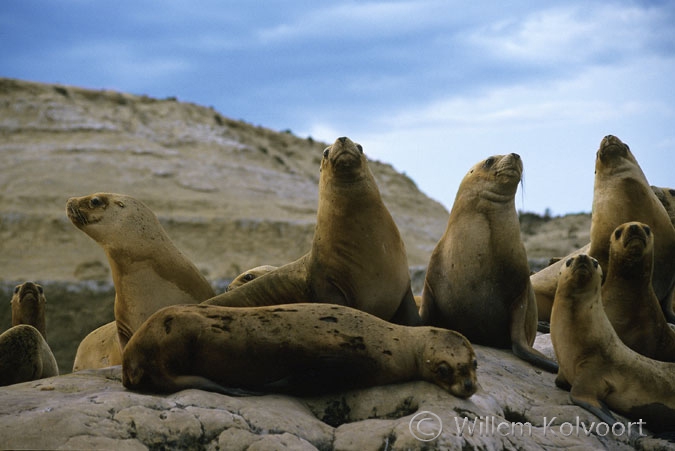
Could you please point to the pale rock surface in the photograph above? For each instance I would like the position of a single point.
(92, 410)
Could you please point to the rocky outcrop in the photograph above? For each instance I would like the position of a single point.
(516, 407)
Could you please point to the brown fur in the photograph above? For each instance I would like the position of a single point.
(28, 306)
(478, 278)
(298, 348)
(599, 370)
(148, 271)
(250, 275)
(621, 194)
(628, 295)
(357, 258)
(25, 356)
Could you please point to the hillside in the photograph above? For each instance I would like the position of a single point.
(230, 194)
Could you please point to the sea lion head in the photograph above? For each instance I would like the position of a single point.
(113, 218)
(28, 305)
(495, 178)
(631, 249)
(249, 275)
(580, 278)
(343, 159)
(613, 154)
(449, 361)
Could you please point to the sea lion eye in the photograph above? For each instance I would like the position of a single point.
(648, 231)
(672, 192)
(617, 234)
(95, 202)
(475, 364)
(248, 277)
(325, 152)
(568, 263)
(360, 147)
(595, 263)
(40, 289)
(16, 289)
(489, 162)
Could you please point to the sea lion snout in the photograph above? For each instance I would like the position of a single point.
(28, 288)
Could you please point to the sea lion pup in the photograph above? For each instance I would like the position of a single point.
(28, 306)
(25, 356)
(250, 275)
(301, 349)
(621, 194)
(478, 278)
(148, 270)
(628, 296)
(601, 371)
(357, 257)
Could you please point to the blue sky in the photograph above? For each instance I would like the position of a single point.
(431, 87)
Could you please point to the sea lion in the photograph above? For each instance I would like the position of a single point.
(149, 272)
(302, 349)
(250, 275)
(602, 372)
(25, 356)
(667, 197)
(99, 349)
(621, 194)
(628, 295)
(357, 257)
(28, 306)
(478, 278)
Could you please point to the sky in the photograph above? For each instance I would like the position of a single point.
(430, 86)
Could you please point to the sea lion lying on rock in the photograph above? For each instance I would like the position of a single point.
(297, 348)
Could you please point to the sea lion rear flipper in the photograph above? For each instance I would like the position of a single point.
(407, 313)
(203, 383)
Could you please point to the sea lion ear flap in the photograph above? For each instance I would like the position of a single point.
(119, 203)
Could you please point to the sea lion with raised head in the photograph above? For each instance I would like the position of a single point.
(621, 194)
(24, 352)
(149, 272)
(28, 306)
(628, 295)
(301, 349)
(600, 371)
(478, 278)
(357, 257)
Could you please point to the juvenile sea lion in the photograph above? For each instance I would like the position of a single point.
(602, 372)
(250, 275)
(28, 306)
(628, 295)
(357, 258)
(25, 356)
(148, 270)
(302, 349)
(478, 278)
(621, 194)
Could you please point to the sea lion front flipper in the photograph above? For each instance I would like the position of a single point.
(521, 319)
(583, 397)
(407, 313)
